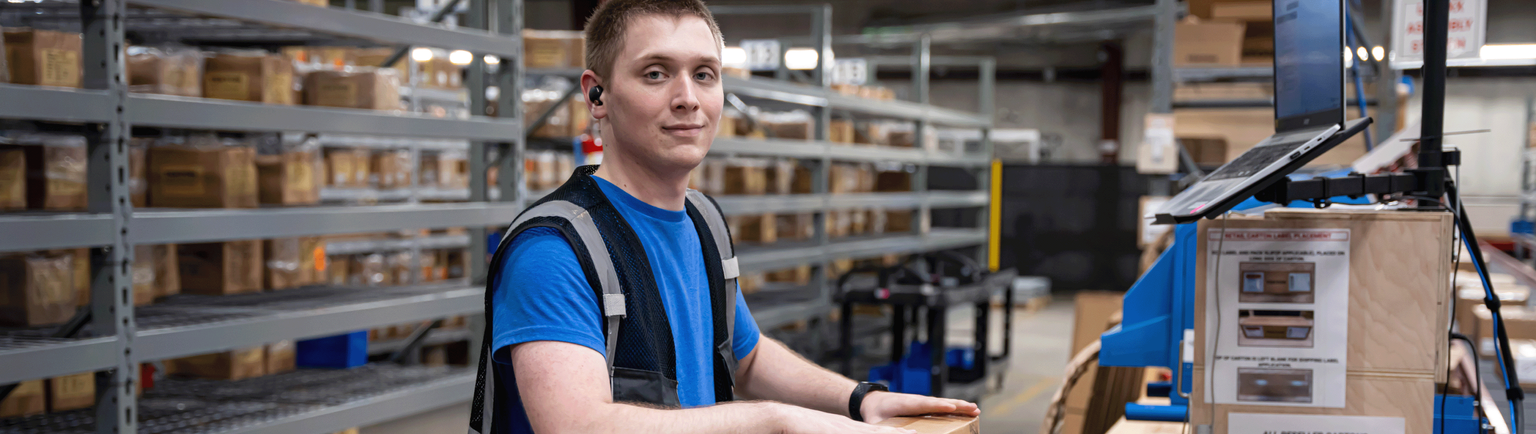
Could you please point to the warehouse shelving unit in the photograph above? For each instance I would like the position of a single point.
(121, 336)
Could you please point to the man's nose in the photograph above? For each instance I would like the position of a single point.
(685, 96)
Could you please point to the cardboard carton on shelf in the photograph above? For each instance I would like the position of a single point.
(43, 57)
(279, 357)
(229, 365)
(1207, 43)
(143, 273)
(80, 270)
(795, 227)
(1247, 10)
(841, 131)
(358, 88)
(13, 179)
(554, 48)
(167, 270)
(800, 275)
(166, 71)
(27, 399)
(72, 392)
(780, 176)
(202, 177)
(761, 228)
(138, 175)
(230, 267)
(283, 265)
(745, 177)
(391, 169)
(893, 180)
(249, 76)
(53, 170)
(289, 178)
(36, 289)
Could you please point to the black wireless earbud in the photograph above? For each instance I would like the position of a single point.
(594, 95)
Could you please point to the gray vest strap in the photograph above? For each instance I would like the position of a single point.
(728, 264)
(607, 275)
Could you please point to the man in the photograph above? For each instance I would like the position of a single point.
(654, 88)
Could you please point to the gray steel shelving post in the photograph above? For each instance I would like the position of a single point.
(987, 74)
(509, 80)
(476, 83)
(821, 33)
(921, 64)
(1162, 77)
(1386, 84)
(111, 280)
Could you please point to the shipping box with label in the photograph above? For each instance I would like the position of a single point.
(26, 399)
(229, 365)
(165, 71)
(254, 76)
(361, 88)
(43, 57)
(202, 177)
(72, 392)
(1281, 318)
(230, 267)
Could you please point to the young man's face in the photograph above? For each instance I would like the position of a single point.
(662, 99)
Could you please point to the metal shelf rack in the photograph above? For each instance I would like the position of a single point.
(122, 336)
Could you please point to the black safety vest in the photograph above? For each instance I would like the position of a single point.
(641, 359)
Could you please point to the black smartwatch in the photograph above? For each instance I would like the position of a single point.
(857, 400)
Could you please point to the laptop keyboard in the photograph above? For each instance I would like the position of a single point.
(1254, 160)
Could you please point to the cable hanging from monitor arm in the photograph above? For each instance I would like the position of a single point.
(1512, 390)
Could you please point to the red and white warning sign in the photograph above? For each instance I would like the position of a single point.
(1465, 30)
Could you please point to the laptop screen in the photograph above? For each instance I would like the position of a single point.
(1309, 63)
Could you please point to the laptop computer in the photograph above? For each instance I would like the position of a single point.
(1309, 112)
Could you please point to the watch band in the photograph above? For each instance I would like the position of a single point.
(856, 401)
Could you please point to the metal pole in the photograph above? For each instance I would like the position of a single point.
(1436, 14)
(478, 190)
(509, 79)
(987, 73)
(111, 282)
(1162, 56)
(1386, 81)
(821, 33)
(920, 70)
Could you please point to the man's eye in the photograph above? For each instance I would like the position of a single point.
(654, 75)
(702, 76)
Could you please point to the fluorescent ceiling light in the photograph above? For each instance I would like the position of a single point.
(1364, 56)
(734, 57)
(421, 54)
(800, 58)
(491, 59)
(1378, 53)
(1509, 51)
(460, 57)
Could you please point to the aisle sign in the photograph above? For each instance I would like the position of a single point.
(1465, 31)
(762, 54)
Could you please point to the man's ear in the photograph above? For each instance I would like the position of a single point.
(589, 80)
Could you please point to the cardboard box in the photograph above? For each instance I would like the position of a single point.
(445, 170)
(1407, 397)
(72, 392)
(43, 57)
(1251, 10)
(841, 131)
(795, 227)
(312, 258)
(361, 88)
(27, 399)
(893, 181)
(13, 178)
(391, 169)
(1469, 298)
(935, 424)
(54, 174)
(230, 267)
(1092, 315)
(339, 167)
(80, 266)
(36, 290)
(167, 270)
(165, 71)
(554, 49)
(289, 178)
(1244, 128)
(138, 176)
(255, 77)
(745, 178)
(900, 221)
(229, 365)
(202, 177)
(800, 275)
(1206, 44)
(789, 130)
(754, 228)
(280, 357)
(143, 273)
(1206, 151)
(283, 266)
(1397, 315)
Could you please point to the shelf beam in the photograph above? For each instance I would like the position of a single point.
(42, 232)
(40, 103)
(370, 411)
(182, 226)
(186, 340)
(337, 21)
(223, 115)
(774, 257)
(58, 358)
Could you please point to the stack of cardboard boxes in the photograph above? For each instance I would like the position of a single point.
(554, 49)
(238, 364)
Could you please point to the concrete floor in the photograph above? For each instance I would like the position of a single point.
(1041, 340)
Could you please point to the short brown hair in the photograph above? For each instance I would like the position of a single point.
(606, 27)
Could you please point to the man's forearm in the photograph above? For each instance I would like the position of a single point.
(620, 418)
(779, 374)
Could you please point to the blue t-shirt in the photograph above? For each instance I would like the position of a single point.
(544, 296)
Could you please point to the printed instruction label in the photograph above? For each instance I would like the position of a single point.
(1277, 323)
(1255, 423)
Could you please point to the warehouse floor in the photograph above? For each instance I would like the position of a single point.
(1041, 340)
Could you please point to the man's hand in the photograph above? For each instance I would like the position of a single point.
(800, 420)
(880, 406)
